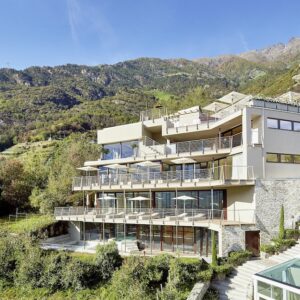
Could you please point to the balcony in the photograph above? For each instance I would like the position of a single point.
(201, 122)
(157, 216)
(150, 149)
(218, 176)
(194, 147)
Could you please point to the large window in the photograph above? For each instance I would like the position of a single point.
(296, 126)
(272, 157)
(283, 158)
(201, 200)
(283, 124)
(120, 150)
(272, 123)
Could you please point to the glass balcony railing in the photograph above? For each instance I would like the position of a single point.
(222, 173)
(187, 215)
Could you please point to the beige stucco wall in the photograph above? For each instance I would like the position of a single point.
(240, 203)
(120, 133)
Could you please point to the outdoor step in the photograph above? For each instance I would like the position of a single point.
(240, 279)
(234, 295)
(294, 251)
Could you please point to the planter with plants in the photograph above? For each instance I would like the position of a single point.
(134, 149)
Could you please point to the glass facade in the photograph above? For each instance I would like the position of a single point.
(120, 150)
(163, 199)
(185, 239)
(202, 199)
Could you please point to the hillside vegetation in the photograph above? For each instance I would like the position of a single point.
(42, 102)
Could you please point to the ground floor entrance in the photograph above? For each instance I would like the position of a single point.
(185, 239)
(252, 241)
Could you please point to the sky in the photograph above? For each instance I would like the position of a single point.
(92, 32)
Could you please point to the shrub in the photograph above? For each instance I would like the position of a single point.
(30, 269)
(205, 275)
(211, 294)
(10, 250)
(55, 264)
(270, 249)
(283, 244)
(292, 234)
(237, 258)
(78, 275)
(221, 271)
(156, 270)
(107, 259)
(129, 282)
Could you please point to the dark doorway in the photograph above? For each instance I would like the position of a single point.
(252, 241)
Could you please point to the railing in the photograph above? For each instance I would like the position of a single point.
(203, 145)
(189, 215)
(147, 141)
(222, 173)
(204, 120)
(154, 113)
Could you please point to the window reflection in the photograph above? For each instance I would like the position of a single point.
(120, 150)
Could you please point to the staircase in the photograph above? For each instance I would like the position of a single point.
(151, 147)
(128, 246)
(238, 286)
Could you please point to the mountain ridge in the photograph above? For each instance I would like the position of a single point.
(39, 102)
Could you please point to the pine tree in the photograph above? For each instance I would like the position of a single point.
(281, 224)
(214, 257)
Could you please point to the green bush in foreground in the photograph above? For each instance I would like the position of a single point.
(270, 249)
(222, 271)
(292, 234)
(107, 259)
(237, 258)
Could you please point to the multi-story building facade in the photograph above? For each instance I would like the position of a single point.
(169, 180)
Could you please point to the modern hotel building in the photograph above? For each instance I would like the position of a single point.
(166, 182)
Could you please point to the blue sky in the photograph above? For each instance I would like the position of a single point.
(53, 32)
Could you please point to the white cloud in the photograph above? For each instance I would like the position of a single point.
(85, 19)
(243, 41)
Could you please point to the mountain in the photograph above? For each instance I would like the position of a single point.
(41, 102)
(279, 52)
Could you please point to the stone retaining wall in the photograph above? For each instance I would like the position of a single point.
(198, 291)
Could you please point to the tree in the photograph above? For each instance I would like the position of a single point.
(281, 224)
(107, 259)
(214, 257)
(15, 185)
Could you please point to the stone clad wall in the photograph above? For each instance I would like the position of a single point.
(269, 196)
(233, 238)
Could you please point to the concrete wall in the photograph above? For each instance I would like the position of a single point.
(74, 230)
(198, 291)
(120, 133)
(272, 141)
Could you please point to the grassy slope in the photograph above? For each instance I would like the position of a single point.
(31, 224)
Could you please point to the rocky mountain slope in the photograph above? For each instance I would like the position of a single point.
(39, 102)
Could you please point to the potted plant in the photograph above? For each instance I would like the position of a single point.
(134, 147)
(104, 151)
